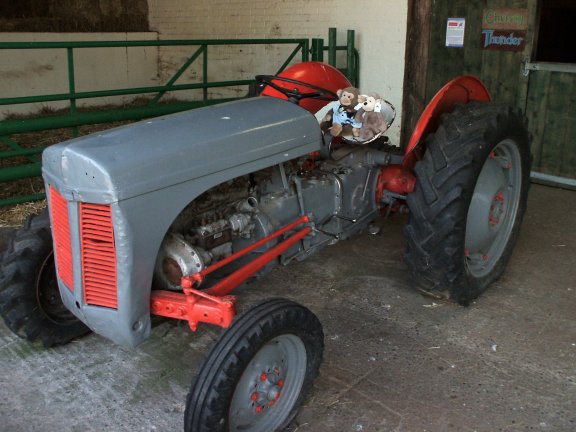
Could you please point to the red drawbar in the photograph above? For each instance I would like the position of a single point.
(98, 255)
(61, 233)
(230, 282)
(213, 305)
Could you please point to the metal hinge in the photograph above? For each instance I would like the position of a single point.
(528, 66)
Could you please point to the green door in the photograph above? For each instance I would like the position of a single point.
(551, 112)
(551, 91)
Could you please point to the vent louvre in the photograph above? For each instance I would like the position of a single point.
(98, 255)
(61, 234)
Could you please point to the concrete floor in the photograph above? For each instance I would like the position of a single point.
(394, 360)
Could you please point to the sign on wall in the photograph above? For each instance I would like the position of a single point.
(455, 32)
(504, 29)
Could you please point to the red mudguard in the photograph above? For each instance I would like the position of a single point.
(460, 90)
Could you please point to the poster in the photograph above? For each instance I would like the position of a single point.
(455, 32)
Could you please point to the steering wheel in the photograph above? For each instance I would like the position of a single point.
(294, 95)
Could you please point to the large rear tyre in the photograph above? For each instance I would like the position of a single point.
(30, 301)
(469, 200)
(258, 372)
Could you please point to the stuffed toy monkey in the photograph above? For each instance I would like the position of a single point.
(343, 112)
(370, 116)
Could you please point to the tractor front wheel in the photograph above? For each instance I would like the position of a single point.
(30, 301)
(258, 372)
(469, 200)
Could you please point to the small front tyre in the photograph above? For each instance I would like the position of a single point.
(30, 301)
(258, 372)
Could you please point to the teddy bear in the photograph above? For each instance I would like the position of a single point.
(369, 115)
(343, 112)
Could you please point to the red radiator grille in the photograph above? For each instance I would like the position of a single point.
(61, 233)
(98, 255)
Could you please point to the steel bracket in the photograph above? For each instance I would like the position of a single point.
(194, 306)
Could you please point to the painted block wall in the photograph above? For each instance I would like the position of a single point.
(380, 27)
(33, 72)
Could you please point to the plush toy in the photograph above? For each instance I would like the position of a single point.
(370, 116)
(343, 112)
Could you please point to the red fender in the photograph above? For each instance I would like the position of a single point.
(460, 90)
(315, 73)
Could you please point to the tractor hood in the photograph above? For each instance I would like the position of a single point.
(150, 155)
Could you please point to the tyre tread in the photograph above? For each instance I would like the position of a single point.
(233, 351)
(445, 179)
(27, 248)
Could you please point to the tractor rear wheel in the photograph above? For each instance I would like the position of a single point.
(257, 374)
(469, 200)
(30, 301)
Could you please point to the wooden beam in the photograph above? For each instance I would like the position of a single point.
(416, 69)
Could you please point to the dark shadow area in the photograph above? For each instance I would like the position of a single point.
(74, 16)
(555, 34)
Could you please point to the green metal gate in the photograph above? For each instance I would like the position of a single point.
(304, 50)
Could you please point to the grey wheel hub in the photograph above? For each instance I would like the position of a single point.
(493, 209)
(270, 386)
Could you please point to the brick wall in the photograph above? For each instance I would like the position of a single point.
(380, 27)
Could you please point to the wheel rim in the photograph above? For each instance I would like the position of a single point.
(270, 386)
(493, 209)
(48, 294)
